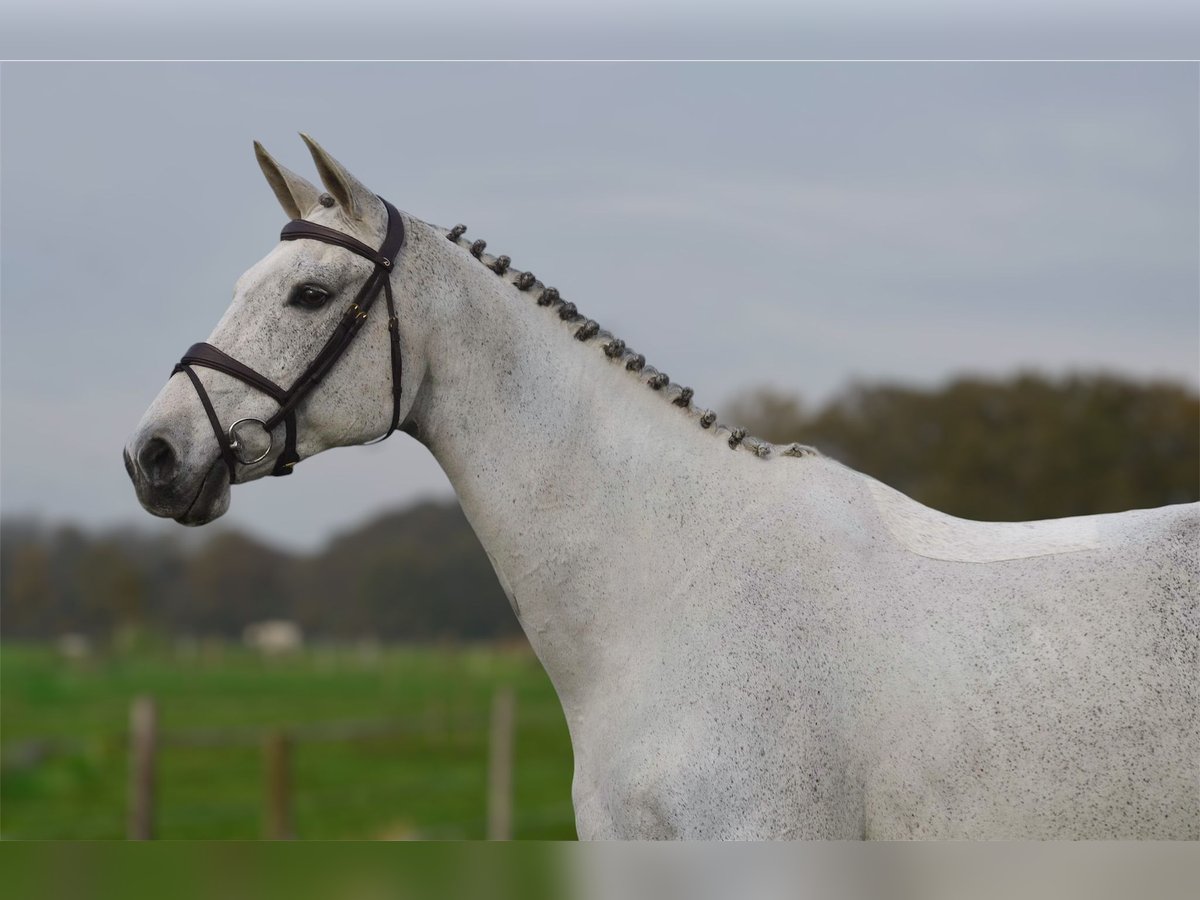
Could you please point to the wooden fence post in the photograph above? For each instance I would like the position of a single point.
(500, 762)
(277, 813)
(143, 727)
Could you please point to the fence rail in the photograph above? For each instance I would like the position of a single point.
(278, 745)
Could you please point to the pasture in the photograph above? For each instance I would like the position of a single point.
(390, 742)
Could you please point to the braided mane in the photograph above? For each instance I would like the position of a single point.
(615, 349)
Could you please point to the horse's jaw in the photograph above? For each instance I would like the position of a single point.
(211, 500)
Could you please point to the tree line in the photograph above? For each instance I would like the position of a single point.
(1025, 447)
(415, 574)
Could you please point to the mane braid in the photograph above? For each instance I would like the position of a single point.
(615, 349)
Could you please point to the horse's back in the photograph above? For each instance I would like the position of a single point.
(1051, 675)
(928, 532)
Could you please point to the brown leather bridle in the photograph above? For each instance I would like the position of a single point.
(204, 354)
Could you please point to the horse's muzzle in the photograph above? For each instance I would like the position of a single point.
(165, 488)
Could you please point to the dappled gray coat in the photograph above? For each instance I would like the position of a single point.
(748, 640)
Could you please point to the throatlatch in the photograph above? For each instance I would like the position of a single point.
(204, 354)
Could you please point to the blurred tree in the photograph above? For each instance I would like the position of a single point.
(1027, 447)
(418, 574)
(111, 586)
(231, 581)
(27, 602)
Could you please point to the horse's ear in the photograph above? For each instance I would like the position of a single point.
(295, 194)
(351, 194)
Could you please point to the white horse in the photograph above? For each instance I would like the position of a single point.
(748, 640)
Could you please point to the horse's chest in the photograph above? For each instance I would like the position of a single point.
(766, 766)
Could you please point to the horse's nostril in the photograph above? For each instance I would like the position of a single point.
(157, 460)
(128, 460)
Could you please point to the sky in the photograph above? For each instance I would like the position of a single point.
(799, 225)
(574, 29)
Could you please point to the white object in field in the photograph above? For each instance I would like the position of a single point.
(273, 637)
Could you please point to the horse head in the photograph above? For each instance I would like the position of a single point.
(300, 361)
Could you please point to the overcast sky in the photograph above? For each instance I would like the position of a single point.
(573, 29)
(798, 225)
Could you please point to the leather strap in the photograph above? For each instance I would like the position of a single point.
(209, 356)
(222, 438)
(204, 354)
(397, 363)
(299, 229)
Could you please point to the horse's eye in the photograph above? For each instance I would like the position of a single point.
(310, 296)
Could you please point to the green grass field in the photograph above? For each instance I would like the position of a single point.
(64, 746)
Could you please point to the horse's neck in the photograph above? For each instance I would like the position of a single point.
(565, 463)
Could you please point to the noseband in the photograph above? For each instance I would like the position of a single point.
(352, 320)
